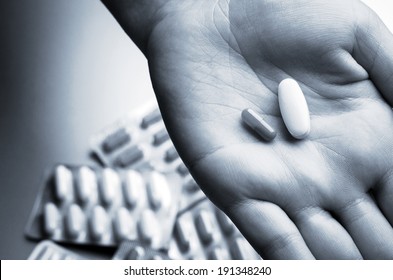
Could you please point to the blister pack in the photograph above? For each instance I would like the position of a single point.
(205, 232)
(85, 205)
(140, 140)
(48, 250)
(136, 250)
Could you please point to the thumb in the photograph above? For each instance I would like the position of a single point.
(373, 50)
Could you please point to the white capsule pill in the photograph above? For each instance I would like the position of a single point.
(87, 183)
(110, 185)
(63, 182)
(148, 226)
(51, 218)
(158, 191)
(294, 109)
(122, 223)
(204, 226)
(74, 220)
(133, 186)
(98, 222)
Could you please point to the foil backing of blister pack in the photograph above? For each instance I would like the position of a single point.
(102, 207)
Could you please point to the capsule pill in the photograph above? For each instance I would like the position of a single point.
(63, 182)
(204, 226)
(98, 222)
(110, 185)
(122, 223)
(158, 191)
(74, 220)
(147, 226)
(294, 109)
(51, 217)
(258, 124)
(133, 187)
(182, 234)
(87, 183)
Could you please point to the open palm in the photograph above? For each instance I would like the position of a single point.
(329, 196)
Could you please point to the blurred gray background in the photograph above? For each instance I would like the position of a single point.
(67, 70)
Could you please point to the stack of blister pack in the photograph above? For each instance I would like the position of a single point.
(143, 201)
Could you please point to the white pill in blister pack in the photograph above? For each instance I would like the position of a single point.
(122, 223)
(109, 186)
(133, 187)
(63, 182)
(87, 184)
(294, 109)
(51, 218)
(158, 191)
(98, 222)
(74, 220)
(105, 206)
(148, 226)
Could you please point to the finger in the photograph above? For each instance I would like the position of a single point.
(325, 237)
(374, 51)
(384, 196)
(370, 230)
(270, 231)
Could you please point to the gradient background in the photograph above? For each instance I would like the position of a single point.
(67, 70)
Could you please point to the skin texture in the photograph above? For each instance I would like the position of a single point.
(329, 196)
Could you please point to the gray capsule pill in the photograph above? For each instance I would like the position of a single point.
(258, 124)
(182, 234)
(204, 226)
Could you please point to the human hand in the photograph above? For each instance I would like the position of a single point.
(329, 196)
